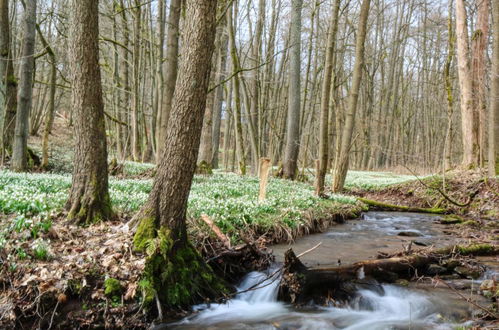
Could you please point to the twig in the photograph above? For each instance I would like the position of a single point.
(309, 250)
(52, 317)
(491, 313)
(442, 193)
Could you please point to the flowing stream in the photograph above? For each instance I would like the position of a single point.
(381, 307)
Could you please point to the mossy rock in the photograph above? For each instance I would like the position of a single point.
(112, 287)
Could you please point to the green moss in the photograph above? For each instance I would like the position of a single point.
(451, 219)
(204, 168)
(470, 223)
(480, 249)
(176, 273)
(145, 232)
(112, 287)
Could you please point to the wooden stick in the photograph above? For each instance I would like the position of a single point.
(264, 176)
(309, 250)
(216, 230)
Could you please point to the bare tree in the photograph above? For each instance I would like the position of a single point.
(468, 122)
(292, 149)
(346, 140)
(89, 200)
(163, 218)
(494, 97)
(326, 94)
(20, 147)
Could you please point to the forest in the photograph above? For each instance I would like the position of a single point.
(259, 164)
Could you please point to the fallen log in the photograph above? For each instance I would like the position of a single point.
(301, 284)
(392, 207)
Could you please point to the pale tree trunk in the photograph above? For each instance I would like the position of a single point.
(158, 100)
(89, 200)
(8, 84)
(326, 94)
(469, 133)
(479, 49)
(346, 140)
(20, 147)
(241, 158)
(221, 73)
(136, 146)
(292, 148)
(163, 218)
(448, 89)
(494, 96)
(49, 116)
(171, 67)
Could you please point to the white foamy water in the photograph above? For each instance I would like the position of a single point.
(394, 308)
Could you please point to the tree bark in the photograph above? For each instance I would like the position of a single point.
(292, 149)
(469, 133)
(20, 147)
(174, 268)
(346, 140)
(493, 152)
(8, 84)
(326, 94)
(171, 68)
(89, 200)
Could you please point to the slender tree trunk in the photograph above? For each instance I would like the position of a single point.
(346, 140)
(20, 148)
(49, 116)
(136, 146)
(470, 135)
(8, 84)
(218, 105)
(171, 67)
(292, 148)
(241, 157)
(479, 49)
(163, 218)
(89, 200)
(494, 96)
(448, 88)
(326, 94)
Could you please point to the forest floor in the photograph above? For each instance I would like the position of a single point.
(55, 274)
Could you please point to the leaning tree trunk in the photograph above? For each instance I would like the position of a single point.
(470, 134)
(89, 200)
(292, 149)
(494, 97)
(20, 148)
(346, 139)
(326, 94)
(171, 68)
(174, 269)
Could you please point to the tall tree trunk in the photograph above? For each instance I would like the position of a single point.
(20, 147)
(49, 116)
(89, 200)
(479, 49)
(346, 140)
(218, 104)
(175, 270)
(494, 97)
(8, 84)
(448, 88)
(470, 134)
(171, 68)
(136, 146)
(326, 94)
(292, 149)
(241, 157)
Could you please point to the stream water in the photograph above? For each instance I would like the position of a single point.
(382, 307)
